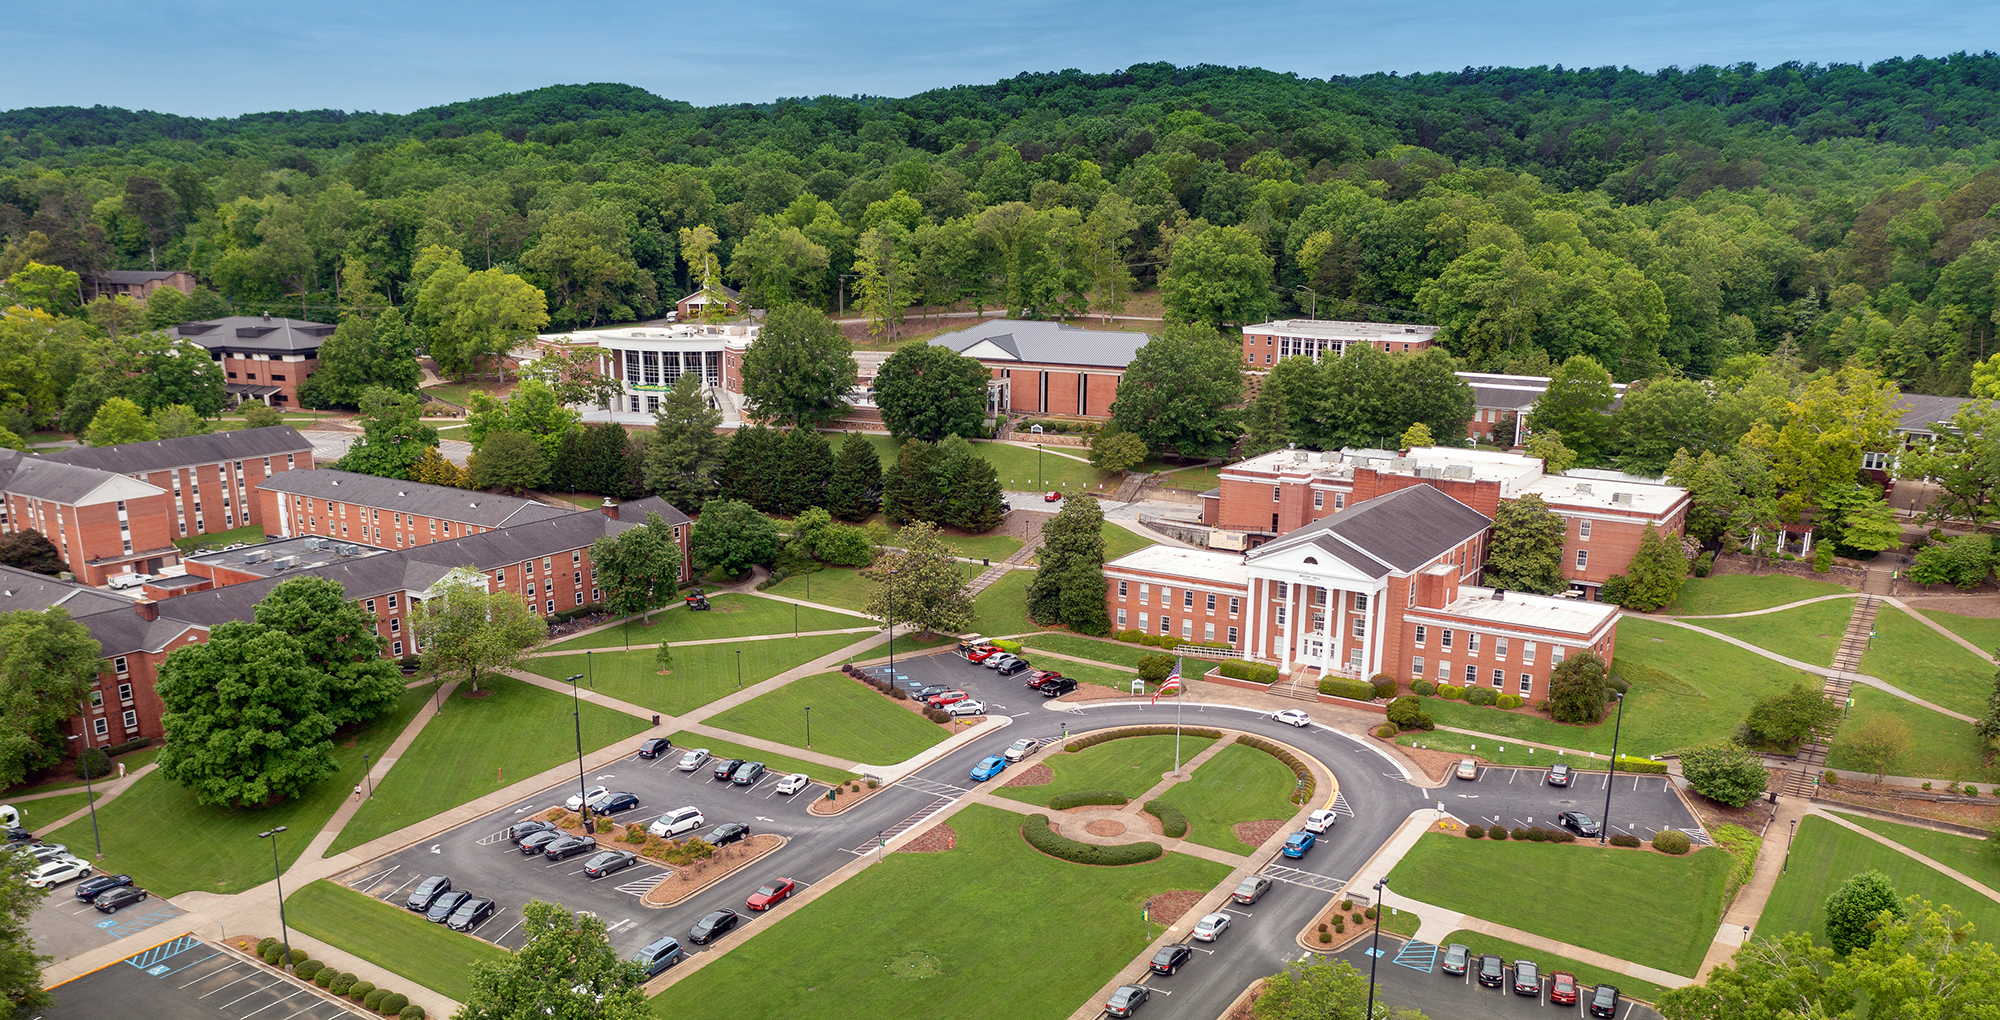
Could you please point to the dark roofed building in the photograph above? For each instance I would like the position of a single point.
(139, 284)
(262, 358)
(317, 502)
(1397, 532)
(212, 478)
(1049, 367)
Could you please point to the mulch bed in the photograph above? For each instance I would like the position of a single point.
(849, 796)
(1037, 774)
(1435, 764)
(1255, 833)
(1167, 907)
(935, 840)
(1964, 605)
(686, 880)
(1887, 798)
(1753, 816)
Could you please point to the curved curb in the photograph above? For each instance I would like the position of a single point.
(783, 841)
(844, 804)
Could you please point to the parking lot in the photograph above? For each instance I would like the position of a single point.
(1407, 975)
(188, 979)
(64, 926)
(1521, 797)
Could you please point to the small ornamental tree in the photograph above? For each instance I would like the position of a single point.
(1783, 721)
(921, 585)
(1654, 578)
(1578, 689)
(1725, 773)
(1854, 911)
(1418, 434)
(1525, 552)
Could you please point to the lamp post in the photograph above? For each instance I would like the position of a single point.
(278, 875)
(1038, 465)
(92, 795)
(1794, 834)
(576, 716)
(892, 624)
(1375, 951)
(1314, 314)
(590, 671)
(809, 727)
(1604, 826)
(739, 669)
(365, 775)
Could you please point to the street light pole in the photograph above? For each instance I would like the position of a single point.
(1375, 951)
(278, 875)
(1315, 301)
(366, 776)
(809, 727)
(892, 624)
(92, 795)
(1604, 826)
(1794, 834)
(576, 716)
(739, 669)
(590, 670)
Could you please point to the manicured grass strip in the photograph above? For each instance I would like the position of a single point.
(155, 831)
(849, 720)
(1114, 653)
(37, 814)
(1087, 673)
(1131, 765)
(1018, 471)
(476, 746)
(1499, 752)
(1002, 608)
(1120, 541)
(1981, 631)
(774, 762)
(732, 615)
(1940, 747)
(843, 587)
(995, 547)
(1586, 975)
(1199, 479)
(1740, 593)
(1824, 855)
(65, 778)
(252, 534)
(1970, 856)
(871, 949)
(1925, 663)
(1239, 784)
(430, 955)
(701, 673)
(1809, 633)
(1678, 898)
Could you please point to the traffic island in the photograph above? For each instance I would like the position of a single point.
(686, 881)
(844, 797)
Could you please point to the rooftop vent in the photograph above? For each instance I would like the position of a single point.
(1583, 487)
(1622, 498)
(1458, 471)
(1499, 594)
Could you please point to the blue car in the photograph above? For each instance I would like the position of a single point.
(1299, 844)
(988, 768)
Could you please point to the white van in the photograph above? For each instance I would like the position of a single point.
(677, 821)
(127, 580)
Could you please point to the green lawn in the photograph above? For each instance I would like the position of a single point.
(1503, 752)
(251, 534)
(1809, 633)
(1678, 898)
(460, 393)
(870, 949)
(1586, 975)
(733, 615)
(1740, 593)
(701, 673)
(1199, 479)
(1706, 691)
(775, 762)
(850, 720)
(64, 777)
(1967, 855)
(997, 547)
(1131, 765)
(1940, 747)
(465, 752)
(1084, 672)
(1120, 541)
(1824, 855)
(1115, 653)
(1017, 468)
(1239, 784)
(842, 586)
(1981, 631)
(430, 955)
(1922, 662)
(1002, 608)
(36, 814)
(216, 849)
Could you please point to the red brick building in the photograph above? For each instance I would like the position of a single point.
(262, 358)
(212, 478)
(1049, 367)
(100, 523)
(1267, 343)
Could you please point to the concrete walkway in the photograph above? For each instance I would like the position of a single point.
(376, 773)
(1956, 875)
(1749, 903)
(745, 639)
(1819, 671)
(1752, 612)
(1947, 632)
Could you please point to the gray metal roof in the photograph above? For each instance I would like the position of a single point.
(635, 510)
(42, 478)
(484, 509)
(257, 333)
(1397, 532)
(25, 590)
(1052, 343)
(133, 276)
(186, 451)
(1920, 412)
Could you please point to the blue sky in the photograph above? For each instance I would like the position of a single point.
(215, 58)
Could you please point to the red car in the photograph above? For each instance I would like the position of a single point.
(1562, 988)
(982, 653)
(1038, 677)
(772, 893)
(1052, 497)
(947, 698)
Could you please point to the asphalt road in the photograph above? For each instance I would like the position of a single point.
(1409, 977)
(188, 979)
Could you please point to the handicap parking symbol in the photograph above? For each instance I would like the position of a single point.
(159, 970)
(1374, 952)
(108, 923)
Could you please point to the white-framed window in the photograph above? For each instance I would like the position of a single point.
(1319, 500)
(579, 598)
(1360, 627)
(1527, 685)
(1582, 558)
(1354, 659)
(1556, 655)
(1471, 674)
(1145, 592)
(1527, 653)
(594, 596)
(576, 578)
(118, 665)
(1444, 671)
(370, 604)
(131, 720)
(1417, 667)
(1166, 623)
(96, 699)
(1232, 635)
(1274, 493)
(1281, 616)
(500, 576)
(1876, 461)
(1142, 621)
(1121, 619)
(1235, 606)
(100, 726)
(1187, 598)
(1340, 501)
(1500, 648)
(549, 606)
(1360, 601)
(396, 648)
(1284, 590)
(1319, 622)
(1166, 596)
(124, 692)
(1187, 628)
(1211, 602)
(1444, 637)
(1499, 679)
(1583, 531)
(1319, 596)
(1208, 632)
(1122, 589)
(1472, 644)
(1422, 632)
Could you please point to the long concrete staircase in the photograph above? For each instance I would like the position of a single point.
(999, 570)
(1811, 760)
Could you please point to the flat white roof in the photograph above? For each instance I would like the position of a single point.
(1595, 493)
(1564, 616)
(1513, 471)
(1220, 567)
(1336, 329)
(668, 333)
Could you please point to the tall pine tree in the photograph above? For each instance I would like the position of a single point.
(807, 460)
(971, 487)
(1069, 587)
(856, 489)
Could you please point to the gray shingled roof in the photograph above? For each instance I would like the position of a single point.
(635, 511)
(1050, 342)
(1397, 532)
(1920, 412)
(186, 451)
(485, 509)
(25, 590)
(39, 477)
(132, 276)
(257, 333)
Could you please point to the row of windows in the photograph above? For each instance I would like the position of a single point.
(1527, 680)
(1187, 627)
(1446, 636)
(100, 727)
(1187, 597)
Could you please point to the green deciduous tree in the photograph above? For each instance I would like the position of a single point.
(1817, 443)
(800, 368)
(532, 410)
(466, 631)
(855, 492)
(1725, 772)
(48, 665)
(921, 585)
(246, 717)
(1854, 912)
(565, 969)
(1784, 720)
(32, 551)
(684, 450)
(730, 536)
(340, 644)
(1113, 450)
(1660, 418)
(172, 421)
(52, 289)
(1548, 448)
(21, 991)
(1988, 726)
(364, 353)
(1320, 991)
(638, 569)
(261, 416)
(474, 317)
(1525, 552)
(1857, 520)
(511, 461)
(393, 438)
(1180, 391)
(884, 277)
(1218, 275)
(572, 376)
(1877, 744)
(1964, 460)
(1656, 573)
(1964, 561)
(120, 421)
(1578, 689)
(928, 391)
(1417, 435)
(1577, 404)
(1071, 578)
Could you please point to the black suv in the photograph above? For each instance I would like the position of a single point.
(725, 834)
(655, 747)
(1604, 1001)
(427, 892)
(1492, 971)
(1058, 687)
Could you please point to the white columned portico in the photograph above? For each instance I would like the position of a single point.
(1291, 624)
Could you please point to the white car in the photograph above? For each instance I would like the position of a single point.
(576, 803)
(1206, 929)
(1292, 716)
(1320, 821)
(44, 851)
(966, 707)
(794, 783)
(1022, 748)
(694, 759)
(58, 871)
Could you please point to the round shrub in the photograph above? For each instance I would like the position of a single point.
(1340, 926)
(308, 969)
(271, 955)
(1483, 696)
(264, 944)
(1322, 926)
(937, 715)
(1385, 685)
(899, 694)
(1424, 687)
(1475, 832)
(1450, 693)
(1497, 832)
(1357, 916)
(1080, 798)
(412, 1012)
(1387, 730)
(1620, 684)
(373, 1000)
(1369, 913)
(94, 761)
(1537, 834)
(1625, 839)
(1407, 712)
(1508, 701)
(341, 984)
(1347, 904)
(325, 976)
(298, 956)
(1561, 836)
(1325, 937)
(358, 991)
(1520, 834)
(393, 1003)
(1671, 841)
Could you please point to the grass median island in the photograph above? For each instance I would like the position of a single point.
(474, 747)
(1644, 907)
(701, 673)
(1002, 608)
(849, 720)
(1130, 765)
(1586, 975)
(1940, 747)
(1824, 855)
(1741, 593)
(155, 831)
(1239, 784)
(777, 763)
(1925, 663)
(870, 948)
(733, 615)
(1809, 633)
(430, 955)
(1501, 752)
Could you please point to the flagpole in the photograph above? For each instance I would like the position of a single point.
(1178, 692)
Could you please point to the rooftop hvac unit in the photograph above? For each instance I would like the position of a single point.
(1583, 487)
(1430, 472)
(1622, 498)
(350, 549)
(284, 563)
(256, 556)
(314, 543)
(1458, 471)
(1402, 463)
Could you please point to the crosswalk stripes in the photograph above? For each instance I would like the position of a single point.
(933, 788)
(642, 886)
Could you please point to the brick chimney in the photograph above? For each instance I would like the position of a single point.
(609, 509)
(148, 609)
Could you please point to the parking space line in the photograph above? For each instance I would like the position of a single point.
(219, 970)
(240, 998)
(296, 992)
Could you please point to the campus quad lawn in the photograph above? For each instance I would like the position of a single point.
(1980, 631)
(732, 615)
(958, 912)
(1708, 693)
(1085, 672)
(1016, 467)
(1824, 855)
(36, 814)
(1002, 609)
(155, 831)
(1112, 653)
(843, 587)
(850, 720)
(1940, 747)
(1586, 975)
(1925, 663)
(388, 936)
(1239, 784)
(252, 534)
(1970, 856)
(776, 763)
(701, 673)
(517, 729)
(1130, 765)
(1740, 593)
(1199, 479)
(1632, 904)
(997, 547)
(1808, 633)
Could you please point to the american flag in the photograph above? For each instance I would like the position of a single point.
(1172, 683)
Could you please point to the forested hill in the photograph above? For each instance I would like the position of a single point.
(1657, 221)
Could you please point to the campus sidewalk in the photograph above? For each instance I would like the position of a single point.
(1807, 667)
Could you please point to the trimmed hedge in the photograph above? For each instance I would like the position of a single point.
(1093, 739)
(1624, 839)
(1255, 672)
(1423, 687)
(1171, 819)
(130, 745)
(1450, 693)
(1354, 689)
(1387, 731)
(1642, 766)
(308, 969)
(341, 984)
(358, 991)
(1035, 829)
(393, 1003)
(1497, 832)
(1012, 647)
(373, 1000)
(1299, 768)
(264, 944)
(325, 976)
(1484, 697)
(412, 1012)
(1475, 832)
(1384, 684)
(1672, 841)
(1080, 798)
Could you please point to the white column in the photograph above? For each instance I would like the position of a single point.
(1291, 625)
(1329, 654)
(1253, 621)
(1378, 620)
